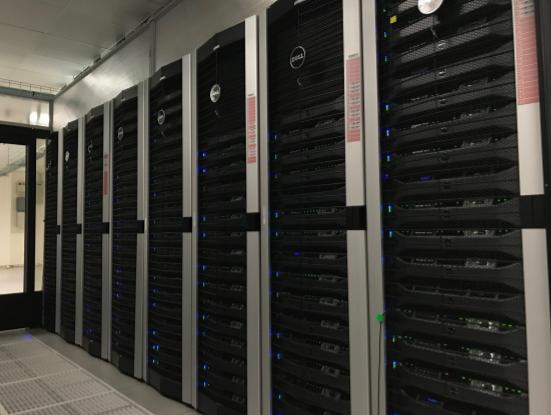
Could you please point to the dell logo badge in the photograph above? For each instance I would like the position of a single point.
(429, 6)
(297, 58)
(215, 93)
(120, 133)
(161, 117)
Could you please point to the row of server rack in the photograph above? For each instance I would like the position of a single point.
(333, 208)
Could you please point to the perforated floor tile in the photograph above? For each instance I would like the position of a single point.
(36, 380)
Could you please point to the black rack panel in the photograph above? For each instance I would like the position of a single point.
(165, 231)
(70, 230)
(222, 210)
(125, 228)
(50, 234)
(93, 231)
(454, 284)
(309, 287)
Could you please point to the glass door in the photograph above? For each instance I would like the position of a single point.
(12, 217)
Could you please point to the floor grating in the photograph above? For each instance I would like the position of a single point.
(36, 380)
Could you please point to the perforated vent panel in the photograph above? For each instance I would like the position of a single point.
(222, 247)
(453, 255)
(309, 276)
(50, 234)
(165, 232)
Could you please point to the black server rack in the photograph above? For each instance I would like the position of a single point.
(50, 234)
(93, 231)
(125, 230)
(165, 231)
(310, 354)
(70, 229)
(222, 224)
(456, 328)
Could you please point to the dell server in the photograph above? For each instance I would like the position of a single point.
(456, 327)
(70, 229)
(166, 229)
(222, 224)
(127, 234)
(50, 235)
(93, 231)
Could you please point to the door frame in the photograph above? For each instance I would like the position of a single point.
(24, 309)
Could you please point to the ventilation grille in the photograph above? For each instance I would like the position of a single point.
(69, 244)
(125, 229)
(222, 247)
(50, 234)
(453, 257)
(93, 233)
(310, 336)
(165, 234)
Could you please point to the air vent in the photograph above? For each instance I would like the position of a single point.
(125, 229)
(93, 231)
(50, 234)
(222, 232)
(308, 260)
(70, 230)
(454, 284)
(166, 227)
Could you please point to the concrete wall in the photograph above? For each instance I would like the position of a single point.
(184, 28)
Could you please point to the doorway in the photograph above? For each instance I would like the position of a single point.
(21, 240)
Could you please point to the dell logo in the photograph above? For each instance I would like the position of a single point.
(67, 156)
(215, 93)
(161, 117)
(429, 6)
(297, 58)
(120, 133)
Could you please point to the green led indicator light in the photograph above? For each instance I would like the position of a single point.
(380, 318)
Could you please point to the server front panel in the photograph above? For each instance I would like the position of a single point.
(70, 229)
(50, 234)
(456, 329)
(93, 231)
(222, 225)
(166, 227)
(125, 229)
(308, 214)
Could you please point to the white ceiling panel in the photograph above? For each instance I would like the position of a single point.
(48, 42)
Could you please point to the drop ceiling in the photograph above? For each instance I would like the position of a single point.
(48, 42)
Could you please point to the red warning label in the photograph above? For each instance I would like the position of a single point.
(526, 54)
(105, 174)
(353, 99)
(251, 130)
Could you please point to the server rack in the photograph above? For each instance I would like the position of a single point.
(464, 237)
(228, 224)
(169, 314)
(314, 231)
(96, 229)
(71, 231)
(50, 235)
(127, 234)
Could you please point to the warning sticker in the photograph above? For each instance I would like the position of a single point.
(251, 129)
(526, 52)
(105, 174)
(353, 99)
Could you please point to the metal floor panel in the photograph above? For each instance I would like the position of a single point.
(34, 379)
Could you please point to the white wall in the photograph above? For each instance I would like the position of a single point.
(184, 28)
